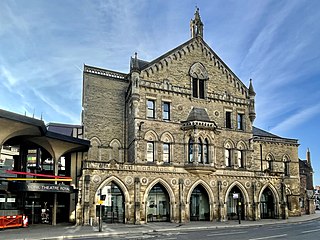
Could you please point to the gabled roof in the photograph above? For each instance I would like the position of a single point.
(182, 50)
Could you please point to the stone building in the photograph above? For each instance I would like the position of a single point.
(173, 140)
(307, 194)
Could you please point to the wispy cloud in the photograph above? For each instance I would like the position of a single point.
(297, 119)
(11, 80)
(60, 109)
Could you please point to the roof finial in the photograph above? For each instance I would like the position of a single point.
(308, 156)
(251, 90)
(196, 26)
(135, 64)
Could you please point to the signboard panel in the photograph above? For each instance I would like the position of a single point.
(40, 187)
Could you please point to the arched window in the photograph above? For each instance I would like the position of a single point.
(199, 75)
(206, 151)
(166, 152)
(200, 159)
(151, 146)
(167, 147)
(241, 155)
(240, 158)
(190, 146)
(269, 162)
(227, 155)
(286, 168)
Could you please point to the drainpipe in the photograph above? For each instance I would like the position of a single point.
(261, 158)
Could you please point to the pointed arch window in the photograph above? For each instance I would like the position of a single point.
(166, 152)
(240, 158)
(200, 146)
(286, 167)
(206, 151)
(227, 153)
(190, 150)
(269, 162)
(199, 75)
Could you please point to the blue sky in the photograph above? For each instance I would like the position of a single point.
(44, 44)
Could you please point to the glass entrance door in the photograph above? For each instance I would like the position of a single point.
(235, 204)
(267, 204)
(199, 205)
(112, 204)
(158, 209)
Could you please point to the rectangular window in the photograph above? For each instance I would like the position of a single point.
(195, 87)
(151, 109)
(198, 88)
(150, 152)
(166, 152)
(166, 111)
(240, 121)
(228, 120)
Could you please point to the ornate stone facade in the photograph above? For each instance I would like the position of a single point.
(173, 140)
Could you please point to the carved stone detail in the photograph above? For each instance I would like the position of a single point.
(198, 71)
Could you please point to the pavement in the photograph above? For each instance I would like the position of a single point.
(69, 231)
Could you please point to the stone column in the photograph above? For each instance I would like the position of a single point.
(220, 203)
(86, 200)
(137, 202)
(254, 202)
(284, 206)
(181, 202)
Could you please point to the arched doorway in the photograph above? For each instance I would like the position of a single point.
(267, 204)
(199, 204)
(112, 201)
(158, 207)
(235, 204)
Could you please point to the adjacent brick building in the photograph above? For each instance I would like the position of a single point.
(173, 140)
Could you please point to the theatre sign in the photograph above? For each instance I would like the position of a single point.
(41, 187)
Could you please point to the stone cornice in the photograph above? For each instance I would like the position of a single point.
(104, 72)
(274, 140)
(167, 87)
